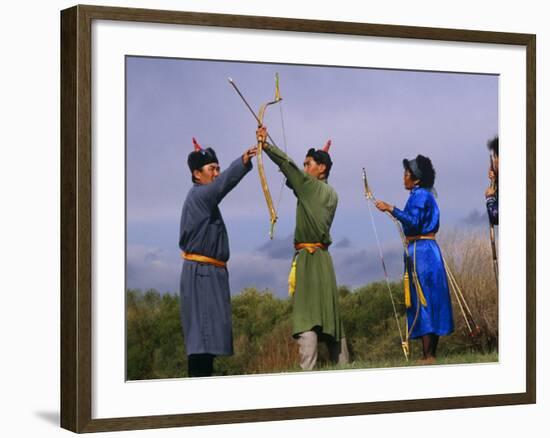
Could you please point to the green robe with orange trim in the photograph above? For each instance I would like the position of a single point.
(315, 300)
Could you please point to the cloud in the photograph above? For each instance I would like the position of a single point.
(356, 267)
(353, 268)
(259, 271)
(344, 243)
(266, 268)
(152, 268)
(279, 249)
(159, 268)
(475, 218)
(152, 256)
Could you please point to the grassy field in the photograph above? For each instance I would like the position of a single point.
(451, 359)
(262, 325)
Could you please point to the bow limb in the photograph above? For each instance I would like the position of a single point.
(261, 172)
(263, 180)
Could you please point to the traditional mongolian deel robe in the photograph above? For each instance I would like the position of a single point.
(421, 216)
(492, 208)
(204, 288)
(315, 298)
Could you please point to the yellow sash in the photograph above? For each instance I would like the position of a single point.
(311, 248)
(203, 259)
(406, 281)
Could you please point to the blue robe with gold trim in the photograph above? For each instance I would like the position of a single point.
(421, 216)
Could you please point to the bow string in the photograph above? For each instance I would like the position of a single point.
(370, 197)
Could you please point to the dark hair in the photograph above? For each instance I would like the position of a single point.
(321, 157)
(421, 168)
(193, 179)
(493, 145)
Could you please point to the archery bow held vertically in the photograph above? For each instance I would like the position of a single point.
(370, 197)
(261, 171)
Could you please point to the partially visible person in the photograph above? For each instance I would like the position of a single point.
(429, 311)
(204, 285)
(491, 194)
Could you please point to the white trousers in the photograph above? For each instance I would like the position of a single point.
(308, 344)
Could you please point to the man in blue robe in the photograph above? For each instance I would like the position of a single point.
(430, 313)
(205, 307)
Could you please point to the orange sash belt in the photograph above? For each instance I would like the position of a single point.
(203, 259)
(429, 236)
(310, 247)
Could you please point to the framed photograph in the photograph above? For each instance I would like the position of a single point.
(144, 90)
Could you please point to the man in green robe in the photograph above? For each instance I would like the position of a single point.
(316, 315)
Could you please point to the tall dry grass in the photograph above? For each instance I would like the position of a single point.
(278, 352)
(469, 257)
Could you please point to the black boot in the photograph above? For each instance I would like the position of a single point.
(200, 365)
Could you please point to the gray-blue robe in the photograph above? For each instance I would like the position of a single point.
(205, 307)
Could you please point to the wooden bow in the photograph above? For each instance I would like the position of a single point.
(370, 197)
(263, 180)
(491, 226)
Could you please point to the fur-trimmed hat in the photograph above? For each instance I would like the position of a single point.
(200, 157)
(321, 156)
(422, 169)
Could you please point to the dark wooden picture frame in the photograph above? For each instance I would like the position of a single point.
(76, 217)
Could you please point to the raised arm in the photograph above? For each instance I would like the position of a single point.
(296, 177)
(214, 192)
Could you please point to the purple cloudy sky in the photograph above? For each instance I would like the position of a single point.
(374, 117)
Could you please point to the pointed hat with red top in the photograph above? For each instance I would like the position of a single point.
(322, 156)
(200, 157)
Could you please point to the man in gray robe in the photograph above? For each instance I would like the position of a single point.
(204, 285)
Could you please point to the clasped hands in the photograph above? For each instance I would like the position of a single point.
(261, 136)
